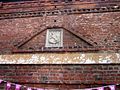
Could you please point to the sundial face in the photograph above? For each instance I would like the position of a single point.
(54, 38)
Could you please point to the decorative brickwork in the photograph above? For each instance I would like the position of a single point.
(58, 12)
(95, 29)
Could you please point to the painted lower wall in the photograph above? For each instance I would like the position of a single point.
(61, 58)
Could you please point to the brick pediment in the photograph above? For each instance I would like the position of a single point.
(97, 31)
(71, 42)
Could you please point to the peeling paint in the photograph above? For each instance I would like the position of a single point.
(61, 58)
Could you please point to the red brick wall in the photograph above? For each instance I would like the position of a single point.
(98, 29)
(102, 29)
(62, 76)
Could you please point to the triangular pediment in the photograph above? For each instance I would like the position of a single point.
(37, 42)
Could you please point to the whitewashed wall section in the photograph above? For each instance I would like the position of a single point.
(60, 58)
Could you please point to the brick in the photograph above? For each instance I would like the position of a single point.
(66, 74)
(101, 29)
(93, 27)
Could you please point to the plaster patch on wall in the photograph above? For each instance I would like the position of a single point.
(60, 58)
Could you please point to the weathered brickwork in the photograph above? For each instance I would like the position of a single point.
(61, 76)
(92, 31)
(98, 29)
(88, 25)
